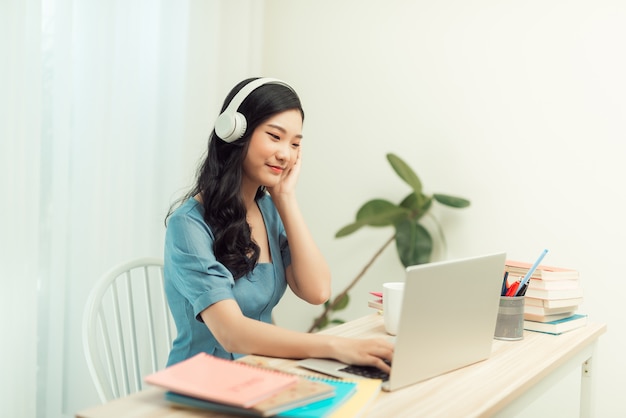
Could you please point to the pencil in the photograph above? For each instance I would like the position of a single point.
(532, 269)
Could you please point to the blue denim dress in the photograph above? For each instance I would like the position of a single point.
(194, 279)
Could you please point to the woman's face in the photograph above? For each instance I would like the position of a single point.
(273, 148)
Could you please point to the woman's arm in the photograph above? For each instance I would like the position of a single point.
(308, 275)
(239, 334)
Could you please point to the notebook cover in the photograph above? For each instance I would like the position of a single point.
(214, 379)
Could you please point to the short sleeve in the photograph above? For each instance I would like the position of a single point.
(192, 269)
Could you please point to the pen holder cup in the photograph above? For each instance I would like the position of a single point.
(510, 322)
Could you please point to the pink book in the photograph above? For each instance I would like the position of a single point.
(524, 265)
(542, 272)
(228, 382)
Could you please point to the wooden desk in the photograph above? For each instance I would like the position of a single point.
(516, 373)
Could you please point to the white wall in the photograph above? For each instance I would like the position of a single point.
(518, 106)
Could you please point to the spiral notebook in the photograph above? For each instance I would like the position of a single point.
(223, 381)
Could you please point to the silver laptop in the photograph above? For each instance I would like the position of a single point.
(447, 320)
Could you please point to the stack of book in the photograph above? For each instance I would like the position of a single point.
(211, 383)
(377, 302)
(552, 297)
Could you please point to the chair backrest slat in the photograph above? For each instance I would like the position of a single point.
(150, 317)
(108, 353)
(167, 317)
(132, 334)
(118, 333)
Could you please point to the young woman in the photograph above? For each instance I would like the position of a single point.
(238, 238)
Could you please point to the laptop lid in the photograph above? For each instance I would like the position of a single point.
(447, 320)
(448, 317)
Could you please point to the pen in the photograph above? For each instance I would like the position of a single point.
(522, 289)
(504, 286)
(513, 289)
(533, 268)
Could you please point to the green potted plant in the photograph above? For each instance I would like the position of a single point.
(414, 243)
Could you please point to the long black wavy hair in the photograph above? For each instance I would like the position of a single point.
(219, 176)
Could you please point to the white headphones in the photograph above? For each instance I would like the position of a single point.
(231, 125)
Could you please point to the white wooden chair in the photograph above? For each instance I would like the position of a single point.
(127, 327)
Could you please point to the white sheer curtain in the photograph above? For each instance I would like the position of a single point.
(105, 108)
(20, 128)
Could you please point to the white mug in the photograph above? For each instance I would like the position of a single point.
(392, 305)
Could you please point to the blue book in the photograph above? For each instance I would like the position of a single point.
(559, 326)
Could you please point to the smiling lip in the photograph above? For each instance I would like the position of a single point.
(276, 169)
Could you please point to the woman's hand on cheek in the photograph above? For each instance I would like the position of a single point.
(288, 180)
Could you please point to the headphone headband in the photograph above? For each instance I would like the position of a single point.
(231, 125)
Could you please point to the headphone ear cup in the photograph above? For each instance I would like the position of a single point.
(230, 126)
(240, 126)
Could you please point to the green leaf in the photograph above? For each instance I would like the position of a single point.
(380, 212)
(413, 243)
(348, 229)
(453, 201)
(412, 202)
(338, 321)
(377, 212)
(405, 172)
(417, 206)
(323, 323)
(428, 202)
(342, 303)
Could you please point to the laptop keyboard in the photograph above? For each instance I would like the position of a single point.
(369, 372)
